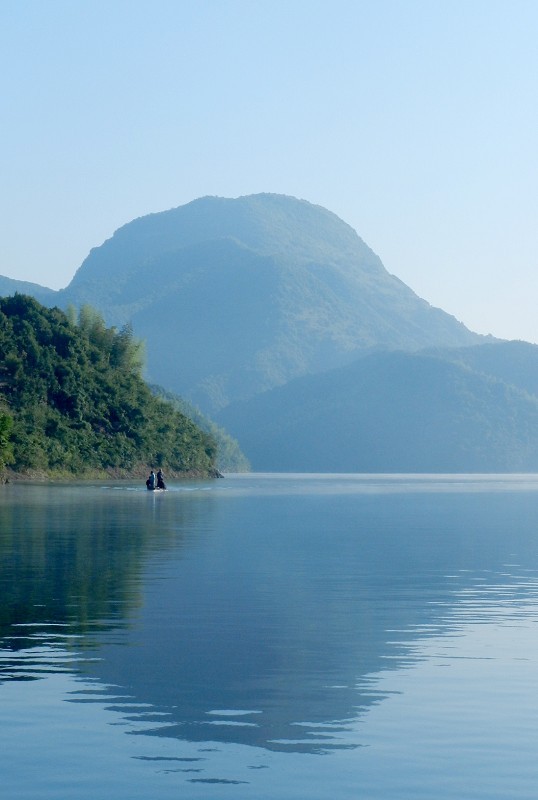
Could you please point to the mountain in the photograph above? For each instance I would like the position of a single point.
(272, 316)
(454, 411)
(237, 296)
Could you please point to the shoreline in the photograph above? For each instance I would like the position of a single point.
(9, 476)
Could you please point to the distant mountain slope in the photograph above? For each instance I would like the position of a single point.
(238, 296)
(394, 412)
(515, 362)
(9, 286)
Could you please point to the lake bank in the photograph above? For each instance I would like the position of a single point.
(33, 476)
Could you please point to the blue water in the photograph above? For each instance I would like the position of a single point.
(270, 637)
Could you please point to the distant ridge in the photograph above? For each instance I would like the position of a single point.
(9, 286)
(400, 412)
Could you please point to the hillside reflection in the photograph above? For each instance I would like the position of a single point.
(71, 556)
(258, 620)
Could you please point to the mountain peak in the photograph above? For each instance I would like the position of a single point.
(250, 292)
(270, 224)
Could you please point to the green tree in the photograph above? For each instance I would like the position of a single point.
(6, 447)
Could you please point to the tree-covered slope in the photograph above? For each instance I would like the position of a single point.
(72, 392)
(391, 412)
(229, 457)
(236, 296)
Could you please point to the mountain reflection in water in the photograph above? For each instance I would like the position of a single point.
(256, 610)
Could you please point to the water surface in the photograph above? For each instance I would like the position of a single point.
(270, 636)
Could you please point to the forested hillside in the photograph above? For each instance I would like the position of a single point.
(73, 401)
(229, 455)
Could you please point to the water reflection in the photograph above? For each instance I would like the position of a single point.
(70, 568)
(247, 612)
(281, 614)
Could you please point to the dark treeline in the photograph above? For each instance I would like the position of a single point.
(73, 402)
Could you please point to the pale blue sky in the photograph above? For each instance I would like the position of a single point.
(415, 122)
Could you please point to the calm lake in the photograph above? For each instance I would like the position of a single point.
(270, 637)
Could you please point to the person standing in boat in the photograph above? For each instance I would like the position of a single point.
(150, 483)
(160, 480)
